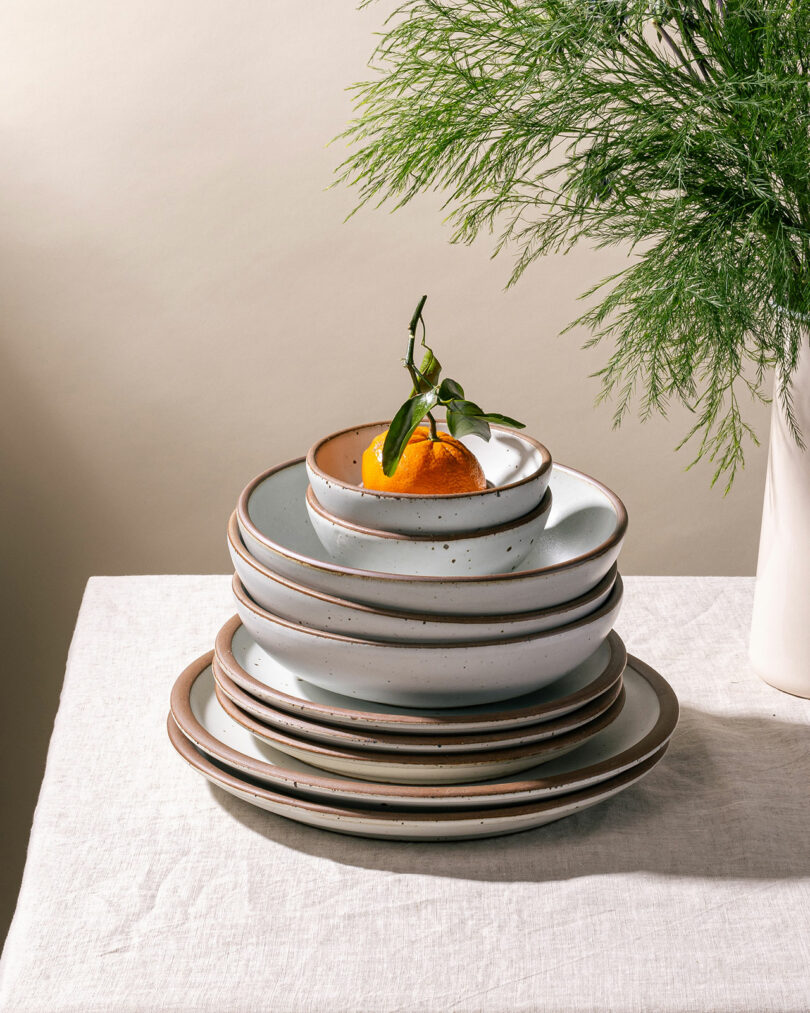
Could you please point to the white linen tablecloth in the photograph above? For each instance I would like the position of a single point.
(147, 889)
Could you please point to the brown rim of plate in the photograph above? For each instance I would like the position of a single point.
(299, 728)
(575, 737)
(543, 507)
(202, 764)
(607, 678)
(612, 601)
(615, 538)
(235, 542)
(312, 463)
(181, 711)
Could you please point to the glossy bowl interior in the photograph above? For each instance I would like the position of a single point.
(483, 551)
(516, 466)
(581, 541)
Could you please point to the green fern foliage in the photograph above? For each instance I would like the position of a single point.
(678, 130)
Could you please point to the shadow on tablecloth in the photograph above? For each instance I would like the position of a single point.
(729, 800)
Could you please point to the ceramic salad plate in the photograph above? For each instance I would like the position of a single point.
(244, 705)
(255, 671)
(392, 824)
(645, 724)
(399, 767)
(580, 543)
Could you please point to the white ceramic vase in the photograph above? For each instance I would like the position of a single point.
(780, 628)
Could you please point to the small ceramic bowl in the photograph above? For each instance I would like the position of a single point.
(457, 674)
(517, 469)
(580, 543)
(301, 604)
(476, 553)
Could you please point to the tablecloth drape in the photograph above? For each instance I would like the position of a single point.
(147, 889)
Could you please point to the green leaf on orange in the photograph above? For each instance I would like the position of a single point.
(403, 426)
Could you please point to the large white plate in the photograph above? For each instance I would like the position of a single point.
(645, 724)
(403, 825)
(257, 672)
(580, 543)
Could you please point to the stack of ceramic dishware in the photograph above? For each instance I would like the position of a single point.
(423, 667)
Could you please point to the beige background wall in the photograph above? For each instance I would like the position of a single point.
(182, 306)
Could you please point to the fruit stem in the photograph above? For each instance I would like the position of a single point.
(410, 365)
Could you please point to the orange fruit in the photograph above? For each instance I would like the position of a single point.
(427, 467)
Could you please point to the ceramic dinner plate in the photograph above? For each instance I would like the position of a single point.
(393, 824)
(249, 711)
(256, 672)
(645, 724)
(419, 768)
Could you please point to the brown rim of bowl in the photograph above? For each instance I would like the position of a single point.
(612, 601)
(223, 778)
(573, 738)
(300, 727)
(543, 507)
(649, 745)
(223, 650)
(615, 538)
(312, 463)
(236, 543)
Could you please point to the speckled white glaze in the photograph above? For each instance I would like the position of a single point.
(580, 543)
(260, 675)
(645, 724)
(388, 824)
(477, 553)
(259, 717)
(432, 674)
(516, 466)
(300, 604)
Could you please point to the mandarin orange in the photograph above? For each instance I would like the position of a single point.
(427, 467)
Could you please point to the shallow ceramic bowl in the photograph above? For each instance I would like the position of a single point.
(456, 674)
(580, 543)
(517, 469)
(300, 604)
(476, 553)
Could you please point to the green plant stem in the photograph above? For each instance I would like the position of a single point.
(410, 365)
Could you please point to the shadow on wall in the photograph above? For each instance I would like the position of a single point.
(48, 513)
(692, 816)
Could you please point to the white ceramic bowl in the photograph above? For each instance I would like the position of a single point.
(580, 543)
(456, 674)
(476, 553)
(517, 469)
(300, 604)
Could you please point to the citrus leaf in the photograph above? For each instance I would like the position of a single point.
(465, 407)
(464, 424)
(402, 428)
(431, 371)
(503, 420)
(451, 390)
